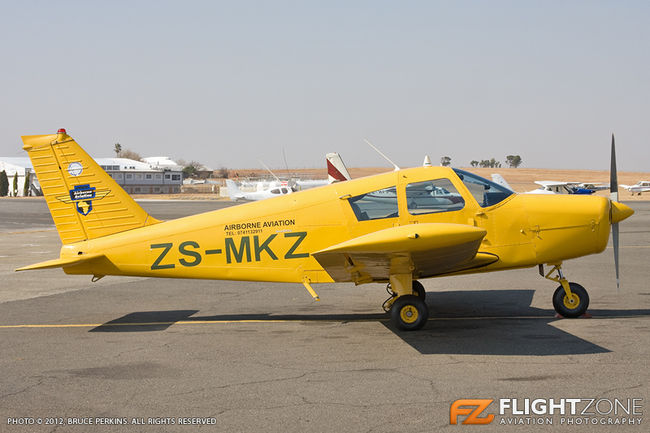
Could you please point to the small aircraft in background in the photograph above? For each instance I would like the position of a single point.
(641, 186)
(554, 187)
(336, 172)
(328, 234)
(236, 194)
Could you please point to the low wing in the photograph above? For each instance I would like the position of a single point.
(424, 250)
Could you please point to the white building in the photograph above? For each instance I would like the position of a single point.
(135, 177)
(21, 166)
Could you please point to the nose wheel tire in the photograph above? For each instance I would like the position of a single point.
(409, 313)
(571, 306)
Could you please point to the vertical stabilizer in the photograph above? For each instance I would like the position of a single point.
(336, 170)
(233, 190)
(85, 202)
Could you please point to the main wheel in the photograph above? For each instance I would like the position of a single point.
(571, 306)
(418, 290)
(409, 313)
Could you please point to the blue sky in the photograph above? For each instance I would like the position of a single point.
(226, 83)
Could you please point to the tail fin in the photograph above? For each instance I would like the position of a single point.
(498, 179)
(233, 191)
(336, 170)
(85, 202)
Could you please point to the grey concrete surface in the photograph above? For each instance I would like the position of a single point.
(265, 357)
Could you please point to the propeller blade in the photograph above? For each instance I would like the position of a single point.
(615, 243)
(613, 177)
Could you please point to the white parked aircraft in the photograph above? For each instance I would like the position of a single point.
(236, 194)
(641, 186)
(336, 172)
(555, 187)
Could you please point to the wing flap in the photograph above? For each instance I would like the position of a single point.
(421, 249)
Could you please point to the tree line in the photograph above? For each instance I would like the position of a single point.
(512, 161)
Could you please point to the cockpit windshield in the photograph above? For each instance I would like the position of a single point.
(486, 192)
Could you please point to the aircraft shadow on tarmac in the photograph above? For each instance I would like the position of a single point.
(486, 322)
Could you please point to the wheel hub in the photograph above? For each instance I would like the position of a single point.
(409, 314)
(572, 301)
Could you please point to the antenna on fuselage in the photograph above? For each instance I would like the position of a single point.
(379, 152)
(269, 170)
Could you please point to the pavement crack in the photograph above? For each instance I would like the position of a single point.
(25, 389)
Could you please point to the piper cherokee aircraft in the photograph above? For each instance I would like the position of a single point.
(327, 234)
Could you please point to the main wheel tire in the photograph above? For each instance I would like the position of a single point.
(574, 306)
(409, 313)
(418, 290)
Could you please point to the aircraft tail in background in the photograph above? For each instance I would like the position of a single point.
(498, 179)
(336, 170)
(233, 190)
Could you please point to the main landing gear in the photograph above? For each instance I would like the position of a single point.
(570, 299)
(407, 308)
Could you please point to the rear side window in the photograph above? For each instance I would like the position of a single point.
(375, 205)
(433, 196)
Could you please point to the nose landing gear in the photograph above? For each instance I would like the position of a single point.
(570, 300)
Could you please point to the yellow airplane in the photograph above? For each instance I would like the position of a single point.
(395, 228)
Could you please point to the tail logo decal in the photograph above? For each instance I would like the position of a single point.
(75, 169)
(82, 196)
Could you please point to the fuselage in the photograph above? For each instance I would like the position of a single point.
(273, 240)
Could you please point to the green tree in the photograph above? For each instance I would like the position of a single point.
(4, 184)
(445, 161)
(494, 163)
(190, 169)
(513, 161)
(117, 149)
(26, 185)
(474, 163)
(15, 188)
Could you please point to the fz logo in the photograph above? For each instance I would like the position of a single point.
(471, 408)
(82, 196)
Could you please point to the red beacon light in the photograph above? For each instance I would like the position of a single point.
(61, 131)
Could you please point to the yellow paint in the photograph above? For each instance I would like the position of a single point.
(311, 236)
(571, 301)
(409, 314)
(307, 283)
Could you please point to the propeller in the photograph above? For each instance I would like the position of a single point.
(613, 196)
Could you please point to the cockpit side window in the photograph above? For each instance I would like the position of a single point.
(375, 205)
(432, 196)
(486, 192)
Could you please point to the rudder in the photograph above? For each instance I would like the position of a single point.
(85, 202)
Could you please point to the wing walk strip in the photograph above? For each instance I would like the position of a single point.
(224, 322)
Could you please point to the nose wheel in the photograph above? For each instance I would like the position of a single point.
(570, 300)
(571, 305)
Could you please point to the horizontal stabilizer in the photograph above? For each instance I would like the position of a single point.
(62, 262)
